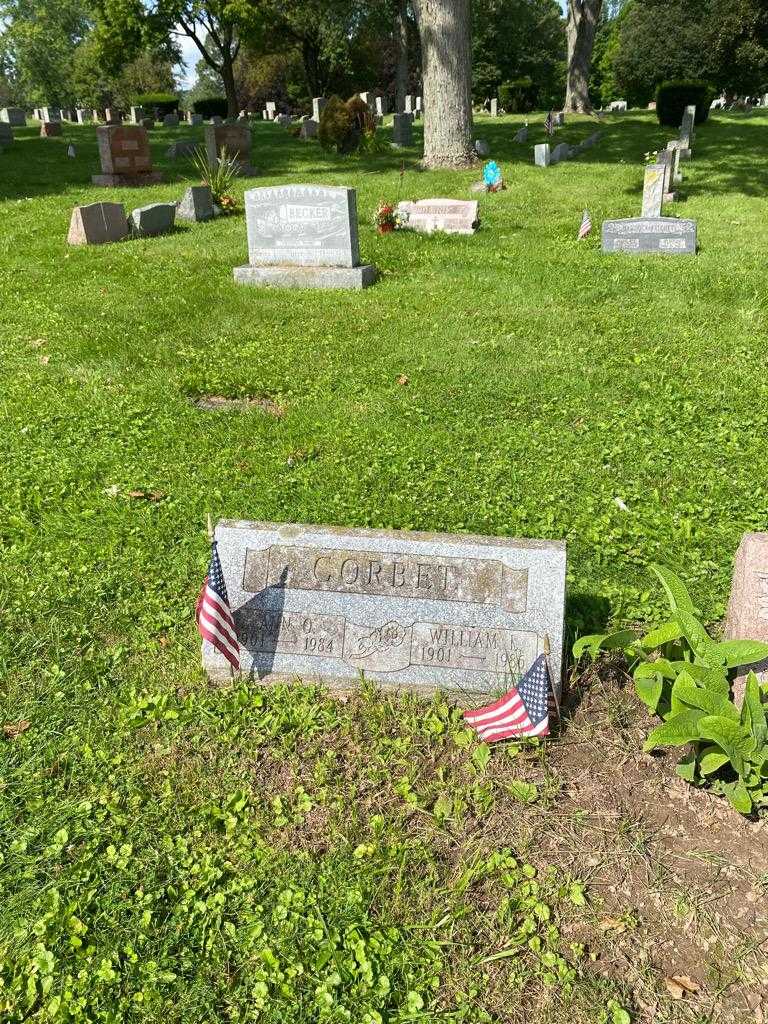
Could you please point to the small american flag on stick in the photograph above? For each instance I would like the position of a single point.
(586, 225)
(549, 124)
(213, 614)
(521, 712)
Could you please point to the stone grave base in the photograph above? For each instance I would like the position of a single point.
(307, 277)
(127, 180)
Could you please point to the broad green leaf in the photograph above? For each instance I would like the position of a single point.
(742, 652)
(677, 704)
(677, 595)
(662, 635)
(686, 768)
(526, 792)
(620, 640)
(649, 689)
(738, 797)
(698, 697)
(730, 737)
(702, 644)
(676, 731)
(753, 712)
(711, 759)
(713, 679)
(660, 666)
(590, 643)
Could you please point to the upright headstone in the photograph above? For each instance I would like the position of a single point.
(521, 135)
(408, 104)
(674, 149)
(558, 119)
(748, 605)
(137, 115)
(666, 157)
(309, 129)
(653, 190)
(171, 121)
(6, 134)
(418, 104)
(181, 147)
(95, 116)
(235, 139)
(125, 156)
(216, 120)
(113, 116)
(271, 109)
(283, 119)
(452, 216)
(418, 611)
(50, 114)
(97, 223)
(195, 120)
(658, 235)
(82, 116)
(318, 105)
(303, 236)
(402, 129)
(380, 106)
(541, 155)
(689, 119)
(482, 148)
(562, 151)
(50, 129)
(13, 116)
(197, 204)
(494, 108)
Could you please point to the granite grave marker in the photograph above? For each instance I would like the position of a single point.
(97, 223)
(125, 156)
(748, 605)
(452, 216)
(236, 139)
(650, 235)
(653, 190)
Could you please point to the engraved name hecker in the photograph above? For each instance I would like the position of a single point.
(418, 611)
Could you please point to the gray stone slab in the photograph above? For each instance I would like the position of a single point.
(171, 121)
(196, 205)
(6, 134)
(318, 105)
(521, 135)
(494, 108)
(650, 235)
(82, 116)
(309, 129)
(97, 223)
(195, 120)
(452, 216)
(417, 611)
(235, 139)
(402, 129)
(302, 225)
(541, 155)
(748, 605)
(182, 147)
(482, 148)
(154, 219)
(13, 116)
(307, 277)
(653, 190)
(562, 151)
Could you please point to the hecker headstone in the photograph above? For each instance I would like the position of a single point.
(453, 216)
(748, 606)
(653, 190)
(650, 235)
(125, 156)
(303, 236)
(236, 139)
(416, 611)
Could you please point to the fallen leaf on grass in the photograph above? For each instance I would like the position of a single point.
(613, 924)
(680, 985)
(403, 380)
(13, 729)
(113, 490)
(44, 360)
(147, 495)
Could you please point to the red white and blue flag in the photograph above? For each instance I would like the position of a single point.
(213, 614)
(586, 225)
(524, 711)
(549, 124)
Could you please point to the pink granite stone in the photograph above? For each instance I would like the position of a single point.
(748, 606)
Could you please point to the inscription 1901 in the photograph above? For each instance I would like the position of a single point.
(345, 571)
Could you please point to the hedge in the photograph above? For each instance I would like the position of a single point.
(674, 96)
(162, 102)
(211, 106)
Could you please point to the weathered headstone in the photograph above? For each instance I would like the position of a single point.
(82, 116)
(195, 120)
(147, 123)
(674, 149)
(113, 116)
(650, 235)
(748, 605)
(408, 104)
(303, 236)
(309, 128)
(154, 219)
(13, 116)
(380, 106)
(318, 105)
(125, 156)
(416, 611)
(137, 115)
(95, 116)
(521, 135)
(50, 129)
(283, 119)
(482, 148)
(97, 223)
(689, 119)
(171, 121)
(50, 114)
(6, 134)
(494, 108)
(452, 216)
(562, 151)
(271, 109)
(418, 103)
(235, 139)
(181, 147)
(618, 105)
(653, 190)
(666, 157)
(402, 129)
(197, 204)
(541, 155)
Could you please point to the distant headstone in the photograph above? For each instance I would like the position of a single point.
(271, 109)
(559, 119)
(452, 216)
(653, 190)
(482, 148)
(137, 115)
(181, 147)
(418, 103)
(494, 108)
(541, 155)
(49, 129)
(652, 105)
(97, 223)
(318, 105)
(402, 129)
(50, 114)
(197, 204)
(13, 116)
(674, 149)
(666, 157)
(618, 105)
(125, 156)
(408, 104)
(235, 139)
(113, 116)
(171, 121)
(381, 106)
(416, 611)
(147, 123)
(283, 119)
(521, 135)
(195, 120)
(154, 219)
(748, 605)
(689, 120)
(303, 236)
(309, 128)
(95, 116)
(82, 116)
(562, 151)
(6, 134)
(650, 235)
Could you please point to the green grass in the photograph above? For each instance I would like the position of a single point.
(544, 382)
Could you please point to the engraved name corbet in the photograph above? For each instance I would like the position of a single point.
(385, 574)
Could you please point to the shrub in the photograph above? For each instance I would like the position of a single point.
(335, 126)
(363, 120)
(211, 106)
(162, 102)
(517, 95)
(218, 176)
(674, 96)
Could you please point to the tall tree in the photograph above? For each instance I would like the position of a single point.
(38, 40)
(580, 29)
(401, 50)
(446, 58)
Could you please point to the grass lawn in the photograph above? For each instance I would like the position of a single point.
(174, 852)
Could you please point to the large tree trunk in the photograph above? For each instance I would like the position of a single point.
(230, 90)
(580, 31)
(444, 28)
(401, 46)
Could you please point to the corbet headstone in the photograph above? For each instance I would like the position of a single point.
(541, 155)
(452, 216)
(653, 190)
(97, 223)
(13, 116)
(236, 139)
(303, 236)
(416, 611)
(650, 235)
(197, 204)
(402, 129)
(125, 156)
(748, 606)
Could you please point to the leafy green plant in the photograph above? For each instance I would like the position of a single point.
(218, 176)
(211, 106)
(684, 676)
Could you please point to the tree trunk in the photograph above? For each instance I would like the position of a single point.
(580, 29)
(444, 28)
(401, 46)
(228, 78)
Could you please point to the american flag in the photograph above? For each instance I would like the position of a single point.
(213, 614)
(549, 124)
(521, 712)
(586, 225)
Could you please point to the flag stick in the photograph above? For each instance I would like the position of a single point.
(210, 529)
(547, 652)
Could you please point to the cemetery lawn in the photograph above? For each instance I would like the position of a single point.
(173, 851)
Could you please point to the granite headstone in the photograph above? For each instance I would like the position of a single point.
(653, 190)
(197, 204)
(97, 223)
(236, 139)
(748, 605)
(452, 216)
(13, 116)
(650, 235)
(125, 156)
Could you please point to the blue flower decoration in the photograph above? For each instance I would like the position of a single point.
(492, 174)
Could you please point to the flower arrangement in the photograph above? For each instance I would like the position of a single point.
(388, 218)
(219, 177)
(492, 178)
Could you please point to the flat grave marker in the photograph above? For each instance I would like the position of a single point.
(452, 216)
(650, 235)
